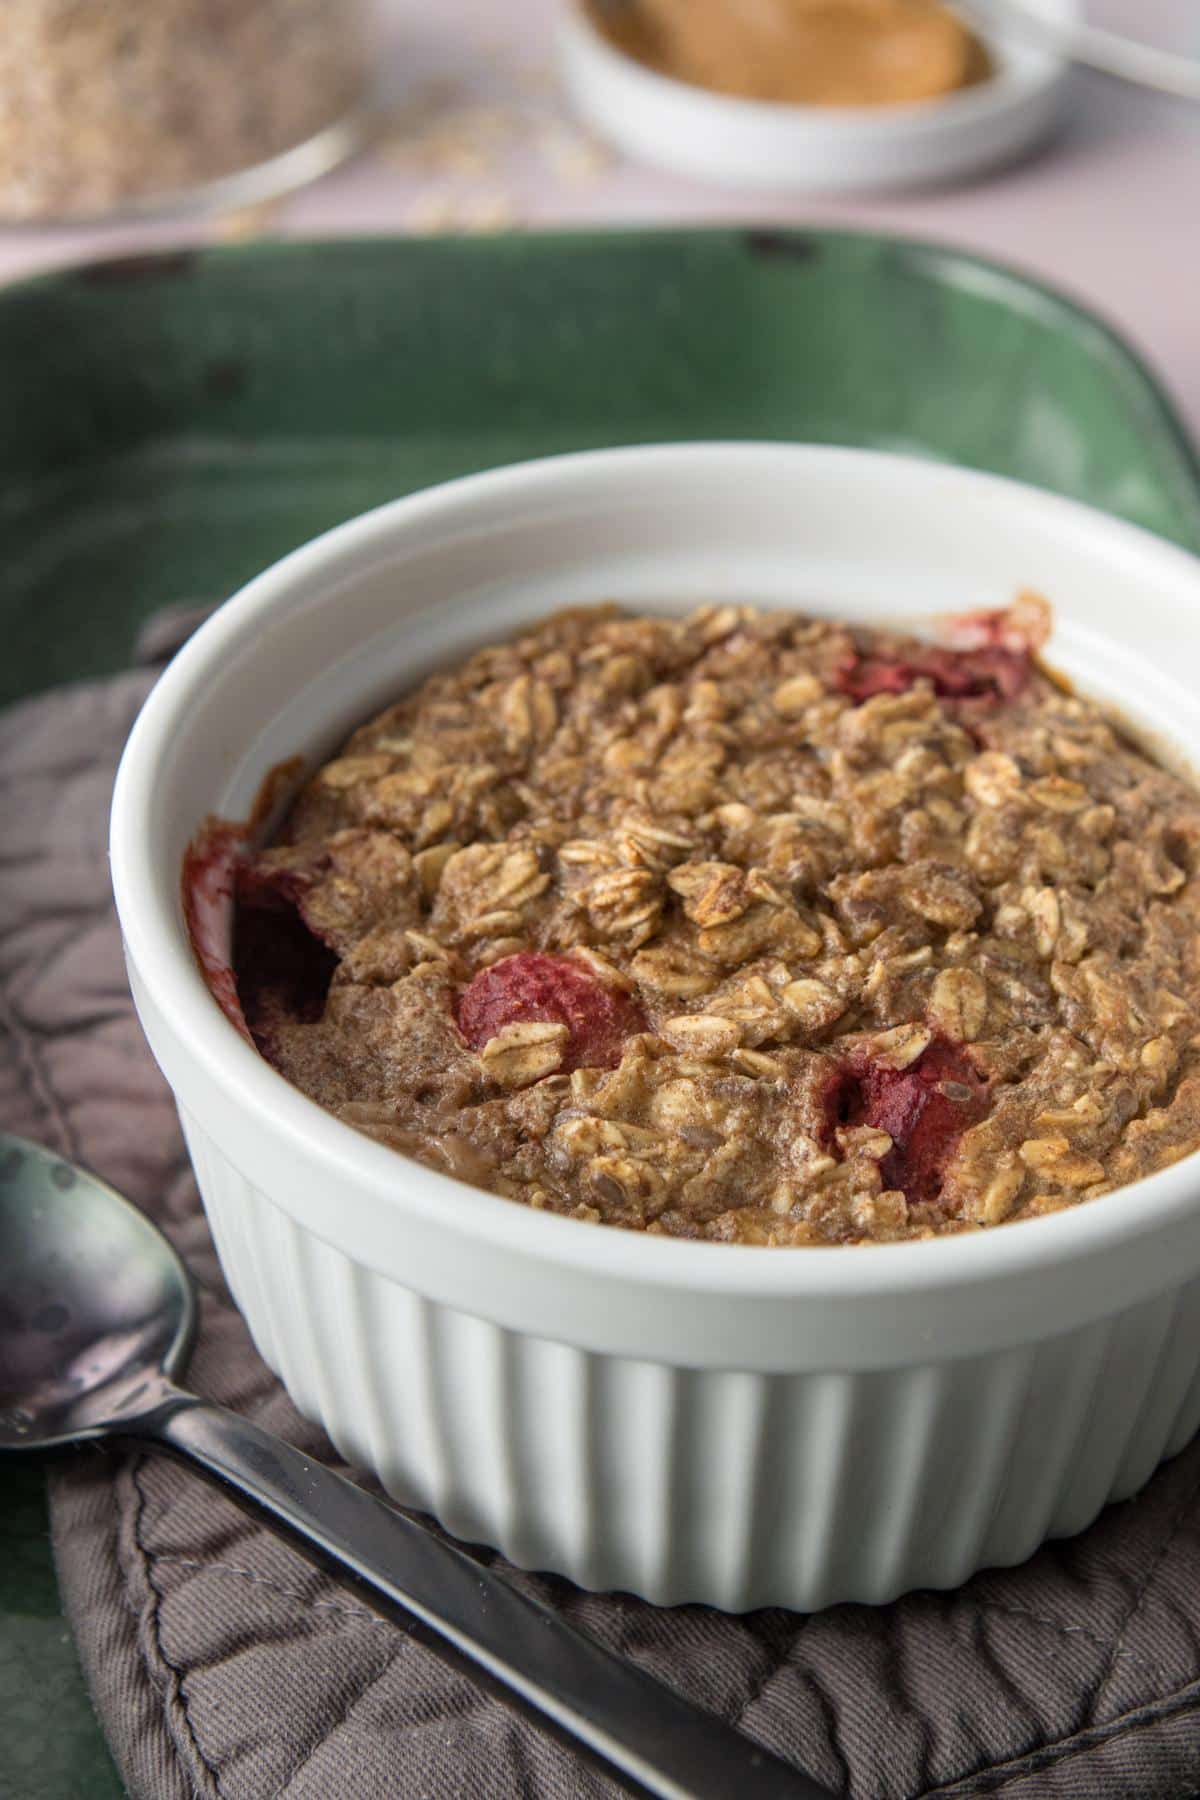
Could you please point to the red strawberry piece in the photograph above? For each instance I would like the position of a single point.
(989, 674)
(209, 877)
(924, 1109)
(552, 990)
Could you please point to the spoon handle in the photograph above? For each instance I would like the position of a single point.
(631, 1722)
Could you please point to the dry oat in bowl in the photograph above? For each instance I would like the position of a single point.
(112, 105)
(744, 926)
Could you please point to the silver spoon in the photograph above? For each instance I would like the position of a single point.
(1127, 59)
(97, 1317)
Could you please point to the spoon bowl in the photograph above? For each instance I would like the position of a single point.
(96, 1310)
(98, 1314)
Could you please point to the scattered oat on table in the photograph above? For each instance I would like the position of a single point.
(475, 154)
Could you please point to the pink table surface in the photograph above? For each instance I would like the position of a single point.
(1109, 210)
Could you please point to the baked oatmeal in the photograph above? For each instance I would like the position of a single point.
(745, 926)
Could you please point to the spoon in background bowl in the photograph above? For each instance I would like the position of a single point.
(98, 1316)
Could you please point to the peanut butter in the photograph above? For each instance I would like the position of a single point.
(807, 52)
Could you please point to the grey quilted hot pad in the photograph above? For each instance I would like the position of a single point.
(222, 1666)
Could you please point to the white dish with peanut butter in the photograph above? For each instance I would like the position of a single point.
(844, 95)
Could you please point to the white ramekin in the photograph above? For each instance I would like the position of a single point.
(763, 144)
(689, 1421)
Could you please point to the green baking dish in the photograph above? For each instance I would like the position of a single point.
(175, 422)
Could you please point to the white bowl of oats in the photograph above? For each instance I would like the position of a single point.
(698, 1096)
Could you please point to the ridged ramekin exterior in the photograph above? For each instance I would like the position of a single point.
(736, 1489)
(693, 1422)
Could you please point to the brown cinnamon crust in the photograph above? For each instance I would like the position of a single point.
(745, 926)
